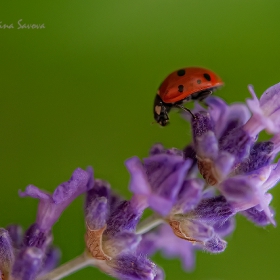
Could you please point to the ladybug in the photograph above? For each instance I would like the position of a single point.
(184, 85)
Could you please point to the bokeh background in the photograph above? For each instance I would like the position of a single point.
(80, 92)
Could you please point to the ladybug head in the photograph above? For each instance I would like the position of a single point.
(161, 110)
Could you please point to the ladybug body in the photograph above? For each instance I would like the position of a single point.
(184, 85)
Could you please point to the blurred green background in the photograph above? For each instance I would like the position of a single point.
(80, 92)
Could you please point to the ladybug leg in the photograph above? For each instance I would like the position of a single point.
(184, 109)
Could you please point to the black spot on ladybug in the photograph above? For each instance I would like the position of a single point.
(198, 81)
(180, 88)
(181, 72)
(207, 76)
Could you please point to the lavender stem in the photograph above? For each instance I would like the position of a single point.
(151, 222)
(68, 268)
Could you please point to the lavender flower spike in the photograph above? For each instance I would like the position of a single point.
(51, 206)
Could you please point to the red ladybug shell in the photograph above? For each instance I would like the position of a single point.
(186, 81)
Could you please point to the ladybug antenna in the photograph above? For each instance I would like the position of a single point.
(185, 109)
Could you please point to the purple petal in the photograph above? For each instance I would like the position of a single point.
(139, 181)
(170, 245)
(159, 179)
(256, 216)
(224, 164)
(35, 192)
(266, 111)
(51, 207)
(68, 191)
(273, 178)
(245, 191)
(218, 110)
(226, 117)
(239, 192)
(189, 195)
(165, 174)
(207, 145)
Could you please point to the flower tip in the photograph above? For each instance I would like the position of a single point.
(34, 192)
(215, 245)
(252, 92)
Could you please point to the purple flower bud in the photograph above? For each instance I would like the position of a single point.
(133, 267)
(50, 260)
(35, 237)
(213, 164)
(28, 264)
(260, 156)
(215, 245)
(96, 213)
(257, 216)
(124, 218)
(157, 149)
(6, 253)
(16, 234)
(100, 189)
(201, 124)
(212, 210)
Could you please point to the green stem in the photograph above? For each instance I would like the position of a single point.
(68, 268)
(151, 222)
